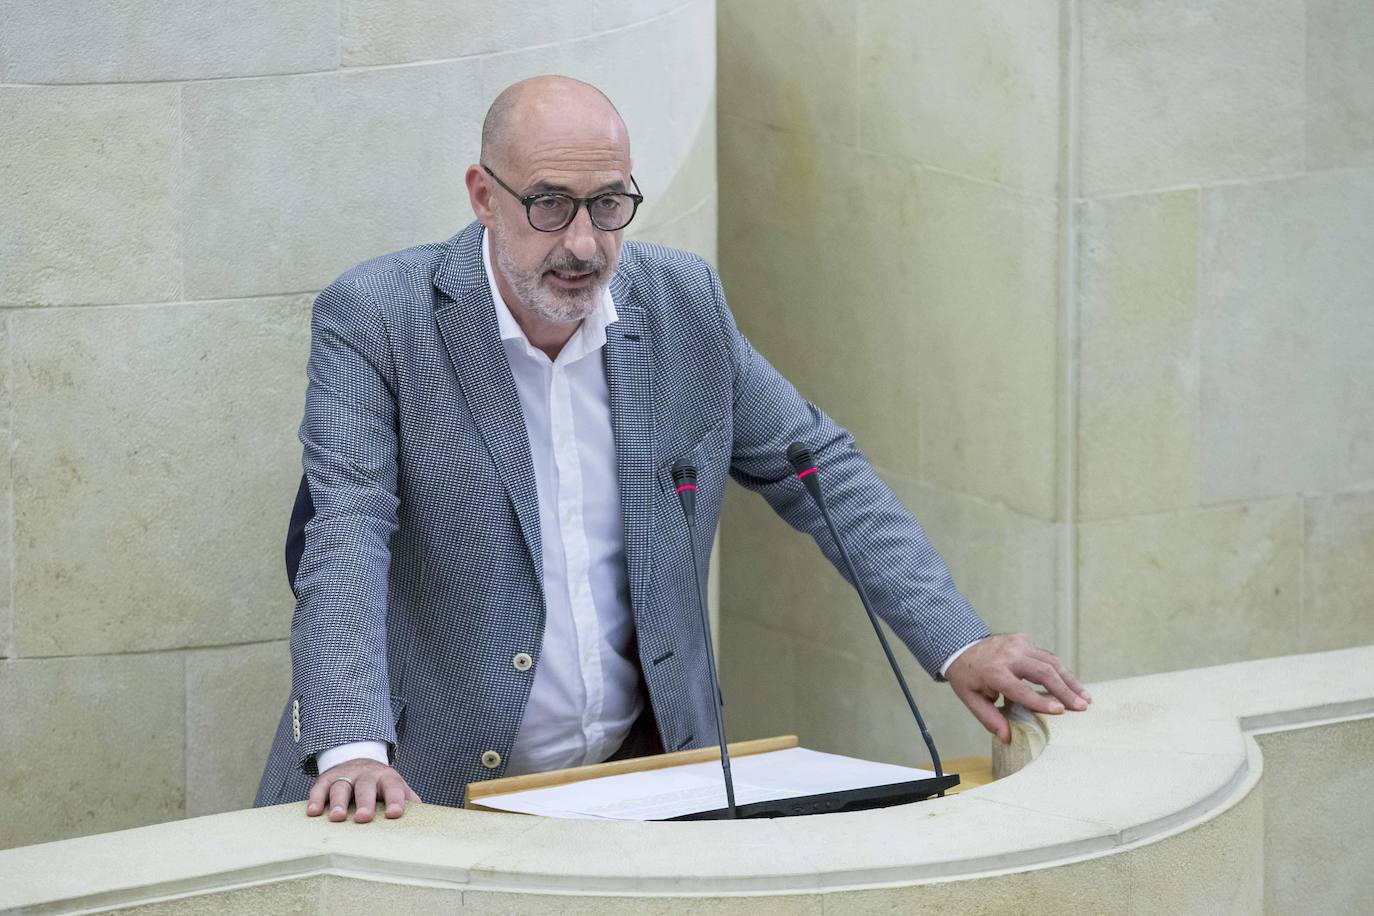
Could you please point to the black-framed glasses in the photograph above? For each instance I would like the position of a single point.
(551, 211)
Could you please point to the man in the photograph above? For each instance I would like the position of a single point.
(492, 571)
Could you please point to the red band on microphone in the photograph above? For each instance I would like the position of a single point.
(805, 472)
(685, 486)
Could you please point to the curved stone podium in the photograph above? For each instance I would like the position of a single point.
(1237, 789)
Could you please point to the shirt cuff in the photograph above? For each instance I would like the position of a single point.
(372, 750)
(944, 669)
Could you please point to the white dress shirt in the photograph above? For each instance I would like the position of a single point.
(585, 694)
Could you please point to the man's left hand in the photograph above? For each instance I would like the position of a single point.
(1008, 665)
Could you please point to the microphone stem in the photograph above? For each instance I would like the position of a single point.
(711, 668)
(887, 649)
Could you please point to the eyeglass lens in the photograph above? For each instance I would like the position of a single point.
(609, 212)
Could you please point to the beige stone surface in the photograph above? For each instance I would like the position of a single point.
(661, 75)
(758, 677)
(6, 499)
(154, 469)
(1003, 562)
(694, 231)
(1286, 325)
(397, 31)
(1338, 577)
(1138, 352)
(791, 65)
(817, 271)
(71, 159)
(1189, 588)
(89, 744)
(1340, 83)
(968, 87)
(290, 897)
(1092, 825)
(1318, 818)
(347, 896)
(987, 348)
(1163, 102)
(138, 40)
(234, 697)
(328, 170)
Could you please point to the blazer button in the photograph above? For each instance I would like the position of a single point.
(296, 720)
(522, 661)
(491, 760)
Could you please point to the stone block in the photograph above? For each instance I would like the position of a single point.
(91, 745)
(820, 265)
(154, 469)
(1188, 589)
(660, 73)
(986, 315)
(1003, 562)
(147, 40)
(326, 171)
(234, 697)
(1138, 352)
(803, 76)
(1340, 83)
(1179, 92)
(972, 88)
(289, 897)
(346, 896)
(758, 676)
(1318, 817)
(391, 32)
(1286, 331)
(1338, 578)
(6, 500)
(88, 186)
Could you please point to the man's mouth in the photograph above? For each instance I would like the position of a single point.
(572, 279)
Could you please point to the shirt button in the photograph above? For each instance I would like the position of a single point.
(491, 760)
(522, 661)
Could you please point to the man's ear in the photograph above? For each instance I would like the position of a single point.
(479, 194)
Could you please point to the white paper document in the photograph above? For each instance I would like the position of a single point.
(672, 791)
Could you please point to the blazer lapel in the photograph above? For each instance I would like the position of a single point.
(467, 324)
(630, 380)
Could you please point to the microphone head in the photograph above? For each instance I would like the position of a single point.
(684, 472)
(800, 456)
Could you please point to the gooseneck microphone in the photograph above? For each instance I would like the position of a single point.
(685, 482)
(805, 466)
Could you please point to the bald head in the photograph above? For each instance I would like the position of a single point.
(544, 107)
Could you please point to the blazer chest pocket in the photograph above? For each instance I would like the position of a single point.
(710, 455)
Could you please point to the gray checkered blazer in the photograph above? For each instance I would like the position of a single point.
(419, 576)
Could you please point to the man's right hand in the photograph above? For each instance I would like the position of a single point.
(362, 780)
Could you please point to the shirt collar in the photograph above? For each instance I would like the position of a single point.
(592, 331)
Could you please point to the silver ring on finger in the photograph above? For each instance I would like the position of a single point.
(347, 779)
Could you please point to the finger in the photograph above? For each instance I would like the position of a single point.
(394, 793)
(365, 797)
(1047, 676)
(339, 794)
(319, 793)
(1020, 692)
(411, 795)
(987, 713)
(1064, 673)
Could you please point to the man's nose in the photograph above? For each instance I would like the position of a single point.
(581, 236)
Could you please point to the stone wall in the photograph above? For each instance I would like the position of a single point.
(177, 181)
(1090, 283)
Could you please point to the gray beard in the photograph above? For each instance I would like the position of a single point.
(561, 305)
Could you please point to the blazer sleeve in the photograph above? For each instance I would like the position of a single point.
(340, 685)
(906, 579)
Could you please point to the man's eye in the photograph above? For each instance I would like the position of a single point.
(547, 203)
(610, 204)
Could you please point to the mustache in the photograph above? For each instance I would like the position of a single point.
(571, 265)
